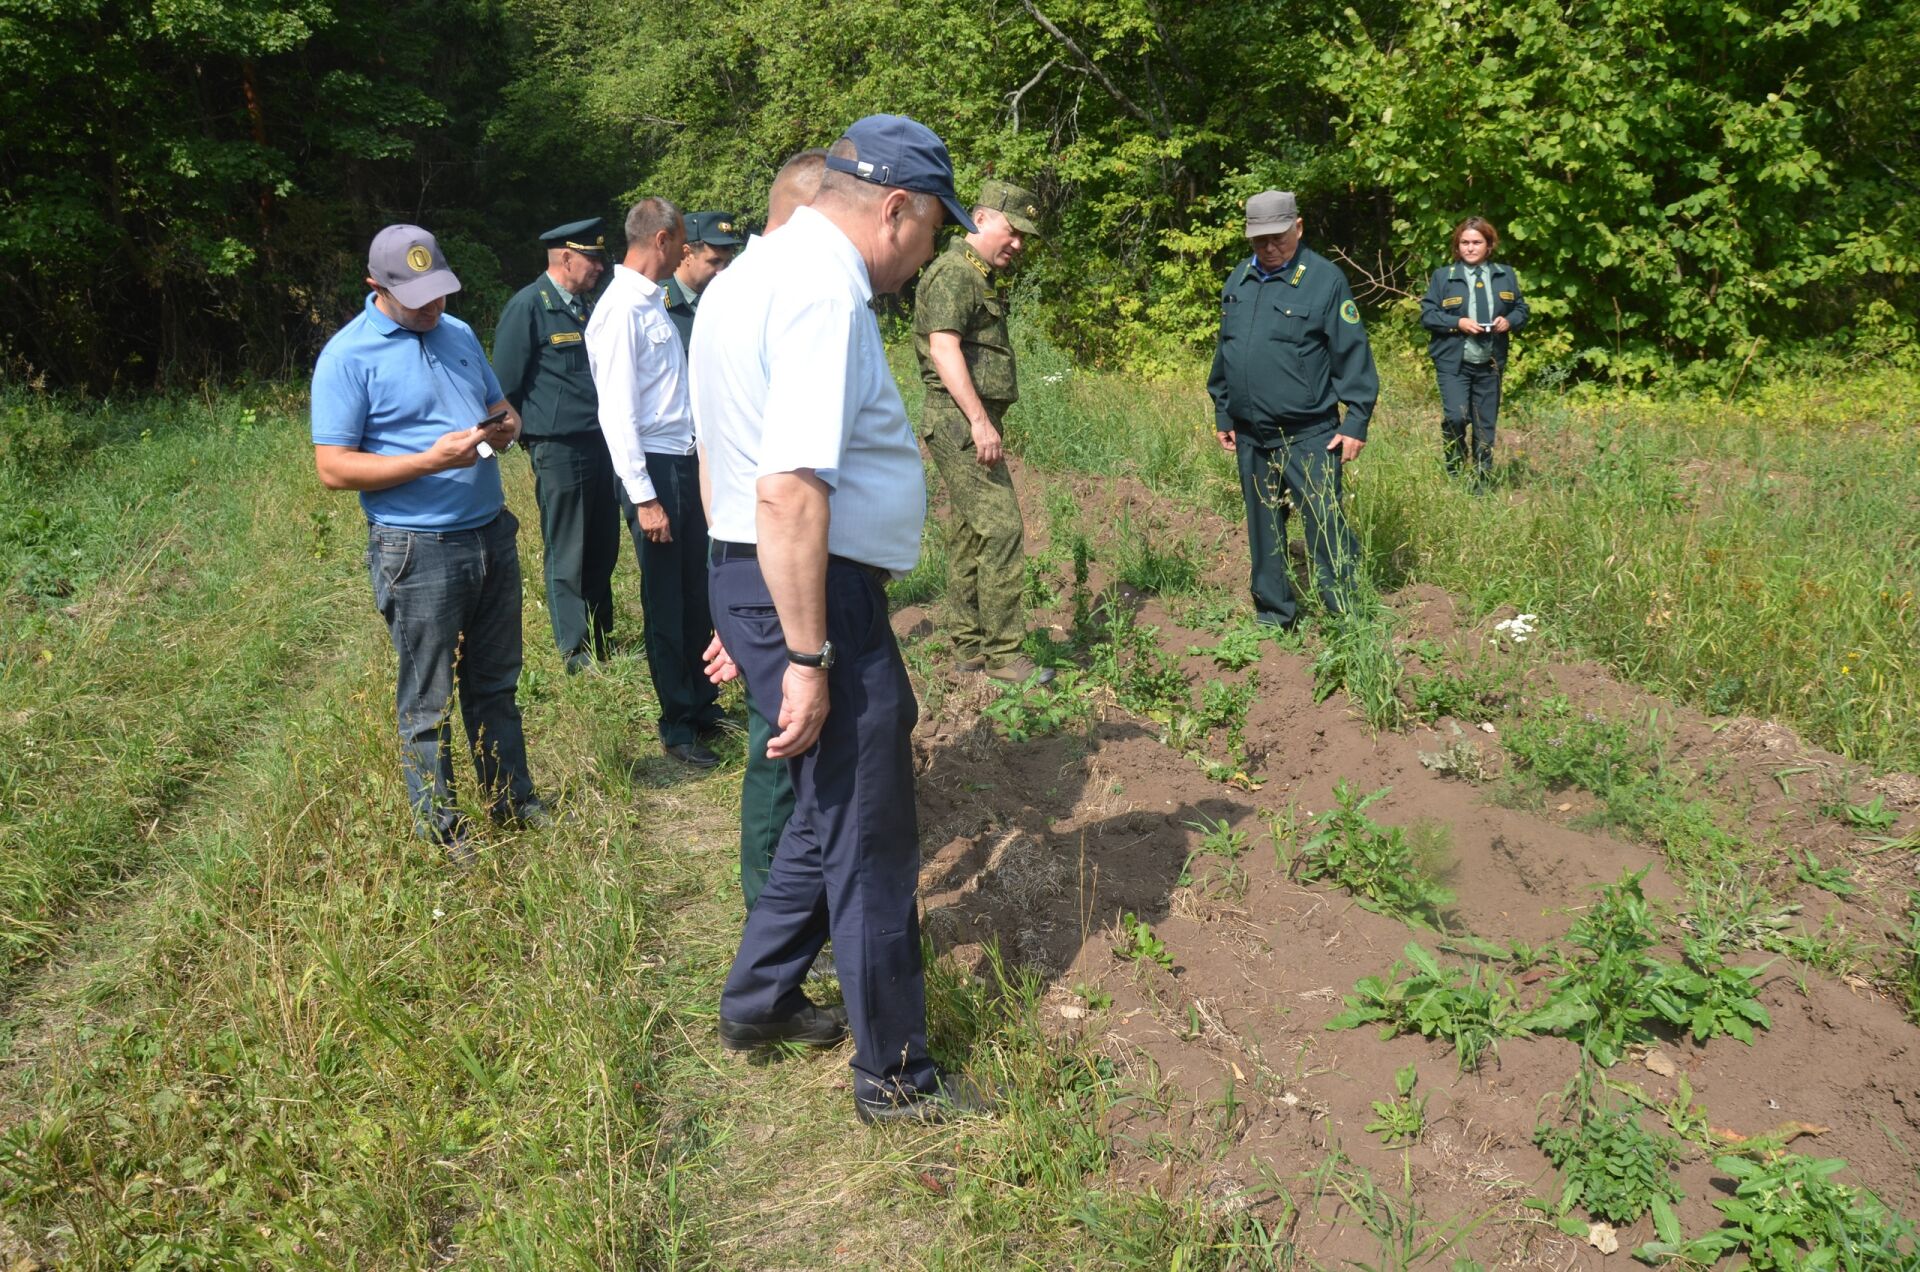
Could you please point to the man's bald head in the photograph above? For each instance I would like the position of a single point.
(794, 186)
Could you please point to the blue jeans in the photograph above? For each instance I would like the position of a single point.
(452, 604)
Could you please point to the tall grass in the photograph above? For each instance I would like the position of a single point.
(1758, 560)
(250, 1021)
(1760, 557)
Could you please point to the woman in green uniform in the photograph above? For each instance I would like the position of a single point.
(1469, 309)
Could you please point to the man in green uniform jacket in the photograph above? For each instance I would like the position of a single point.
(1291, 351)
(540, 357)
(966, 360)
(711, 245)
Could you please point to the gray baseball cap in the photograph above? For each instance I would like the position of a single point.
(407, 261)
(1271, 212)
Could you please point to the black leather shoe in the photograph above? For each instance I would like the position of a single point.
(953, 1097)
(692, 753)
(811, 1026)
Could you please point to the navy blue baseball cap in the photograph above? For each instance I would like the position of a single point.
(905, 154)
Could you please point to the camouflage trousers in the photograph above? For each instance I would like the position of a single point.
(986, 558)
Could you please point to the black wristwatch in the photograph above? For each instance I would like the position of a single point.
(822, 660)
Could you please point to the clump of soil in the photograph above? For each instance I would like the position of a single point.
(1043, 846)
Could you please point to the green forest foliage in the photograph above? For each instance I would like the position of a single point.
(187, 186)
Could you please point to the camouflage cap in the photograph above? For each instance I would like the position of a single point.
(1016, 203)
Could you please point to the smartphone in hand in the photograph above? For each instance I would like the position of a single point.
(485, 449)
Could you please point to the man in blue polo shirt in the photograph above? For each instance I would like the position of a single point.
(400, 399)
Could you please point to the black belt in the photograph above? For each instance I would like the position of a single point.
(722, 552)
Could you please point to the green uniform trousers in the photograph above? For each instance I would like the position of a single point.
(1469, 396)
(574, 485)
(1299, 463)
(986, 558)
(766, 801)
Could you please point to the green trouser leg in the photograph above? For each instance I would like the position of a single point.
(574, 485)
(766, 801)
(1299, 464)
(1469, 396)
(986, 553)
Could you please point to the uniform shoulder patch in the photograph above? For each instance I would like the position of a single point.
(1349, 312)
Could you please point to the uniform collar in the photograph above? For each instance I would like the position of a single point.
(973, 258)
(1289, 271)
(566, 298)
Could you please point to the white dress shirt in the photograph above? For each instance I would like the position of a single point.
(789, 373)
(640, 375)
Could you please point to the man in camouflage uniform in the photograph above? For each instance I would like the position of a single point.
(966, 360)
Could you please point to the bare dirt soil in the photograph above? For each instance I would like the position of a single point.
(1042, 846)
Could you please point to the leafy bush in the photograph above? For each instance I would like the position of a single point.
(1372, 861)
(1788, 1214)
(1609, 996)
(1420, 997)
(1024, 712)
(1613, 1169)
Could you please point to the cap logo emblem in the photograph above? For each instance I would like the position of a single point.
(725, 227)
(1032, 211)
(419, 259)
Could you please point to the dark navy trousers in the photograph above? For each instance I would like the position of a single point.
(673, 599)
(848, 863)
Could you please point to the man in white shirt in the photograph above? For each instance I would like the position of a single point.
(818, 496)
(640, 376)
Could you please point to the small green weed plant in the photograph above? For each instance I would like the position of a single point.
(1218, 839)
(1375, 863)
(1145, 566)
(1872, 816)
(1788, 1214)
(1613, 1168)
(1402, 1119)
(1475, 695)
(1609, 995)
(1469, 1011)
(1127, 659)
(1024, 712)
(1807, 869)
(1139, 946)
(1358, 657)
